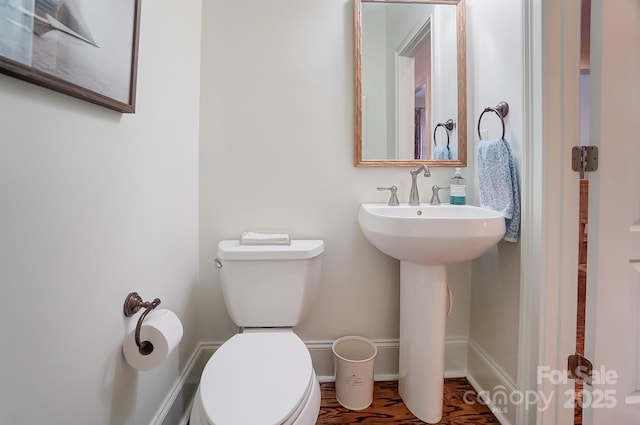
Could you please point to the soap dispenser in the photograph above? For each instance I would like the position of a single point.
(458, 188)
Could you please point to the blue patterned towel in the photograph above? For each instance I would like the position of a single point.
(498, 184)
(442, 152)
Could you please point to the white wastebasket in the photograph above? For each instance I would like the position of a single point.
(354, 358)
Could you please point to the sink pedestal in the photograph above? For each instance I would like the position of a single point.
(423, 314)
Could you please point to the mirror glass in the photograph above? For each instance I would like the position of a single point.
(410, 83)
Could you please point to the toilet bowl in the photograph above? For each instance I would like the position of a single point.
(264, 375)
(258, 378)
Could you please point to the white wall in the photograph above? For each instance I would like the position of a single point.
(284, 160)
(374, 87)
(495, 59)
(445, 71)
(96, 204)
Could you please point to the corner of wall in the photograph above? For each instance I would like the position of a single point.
(493, 385)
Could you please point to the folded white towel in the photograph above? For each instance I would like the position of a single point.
(255, 238)
(498, 184)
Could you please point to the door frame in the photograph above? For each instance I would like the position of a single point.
(550, 205)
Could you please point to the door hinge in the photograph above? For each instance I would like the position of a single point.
(584, 158)
(580, 368)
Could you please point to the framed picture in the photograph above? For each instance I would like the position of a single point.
(84, 48)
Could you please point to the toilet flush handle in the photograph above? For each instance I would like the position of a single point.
(218, 263)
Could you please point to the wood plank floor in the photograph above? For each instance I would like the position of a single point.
(387, 407)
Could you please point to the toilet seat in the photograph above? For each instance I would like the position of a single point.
(263, 377)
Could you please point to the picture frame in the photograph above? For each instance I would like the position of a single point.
(87, 49)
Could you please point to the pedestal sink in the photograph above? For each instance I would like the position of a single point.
(425, 238)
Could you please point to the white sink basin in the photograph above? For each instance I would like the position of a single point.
(431, 234)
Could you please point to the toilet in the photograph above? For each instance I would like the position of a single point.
(263, 375)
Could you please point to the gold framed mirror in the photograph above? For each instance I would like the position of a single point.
(410, 83)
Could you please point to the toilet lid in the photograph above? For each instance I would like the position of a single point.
(256, 378)
(297, 250)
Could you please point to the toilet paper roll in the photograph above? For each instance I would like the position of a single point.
(164, 330)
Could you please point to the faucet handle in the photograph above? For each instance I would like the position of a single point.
(393, 201)
(435, 198)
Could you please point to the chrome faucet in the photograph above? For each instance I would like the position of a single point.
(414, 198)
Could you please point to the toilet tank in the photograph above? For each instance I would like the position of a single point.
(270, 285)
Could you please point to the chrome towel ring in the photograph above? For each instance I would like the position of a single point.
(501, 109)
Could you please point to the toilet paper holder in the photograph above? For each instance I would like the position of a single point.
(132, 304)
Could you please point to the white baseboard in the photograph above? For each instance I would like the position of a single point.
(386, 363)
(177, 405)
(455, 357)
(168, 412)
(492, 384)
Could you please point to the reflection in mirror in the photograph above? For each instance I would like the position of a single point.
(410, 79)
